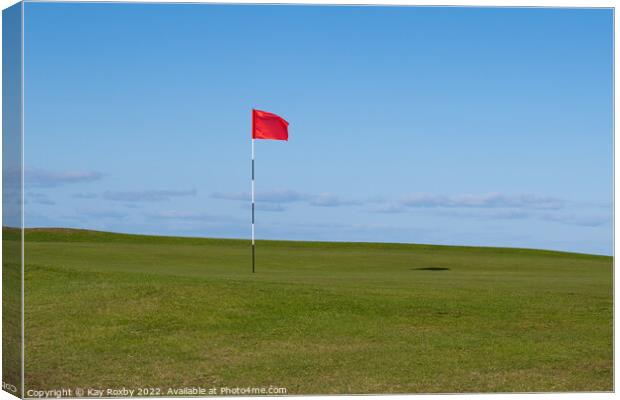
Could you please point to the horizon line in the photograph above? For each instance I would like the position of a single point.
(484, 247)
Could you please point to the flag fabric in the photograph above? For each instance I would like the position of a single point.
(266, 125)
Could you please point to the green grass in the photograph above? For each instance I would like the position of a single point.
(112, 310)
(11, 311)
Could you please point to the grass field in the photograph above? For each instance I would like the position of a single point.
(111, 310)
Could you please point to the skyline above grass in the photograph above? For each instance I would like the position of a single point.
(461, 126)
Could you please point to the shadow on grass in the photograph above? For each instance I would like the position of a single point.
(431, 269)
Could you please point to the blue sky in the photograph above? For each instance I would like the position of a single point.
(473, 126)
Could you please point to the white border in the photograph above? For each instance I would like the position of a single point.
(447, 3)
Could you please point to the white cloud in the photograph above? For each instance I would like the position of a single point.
(85, 195)
(331, 200)
(82, 213)
(269, 196)
(487, 200)
(37, 177)
(146, 195)
(286, 196)
(586, 220)
(270, 207)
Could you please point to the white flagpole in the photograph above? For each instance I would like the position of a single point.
(253, 244)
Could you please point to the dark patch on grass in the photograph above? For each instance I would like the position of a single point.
(431, 269)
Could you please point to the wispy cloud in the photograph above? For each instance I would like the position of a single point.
(580, 220)
(388, 208)
(38, 198)
(488, 200)
(36, 177)
(282, 196)
(486, 215)
(286, 196)
(270, 207)
(586, 220)
(269, 196)
(332, 200)
(146, 195)
(85, 195)
(485, 200)
(241, 196)
(83, 213)
(485, 206)
(498, 206)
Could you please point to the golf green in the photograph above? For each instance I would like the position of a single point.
(107, 310)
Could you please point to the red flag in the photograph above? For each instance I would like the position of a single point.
(266, 125)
